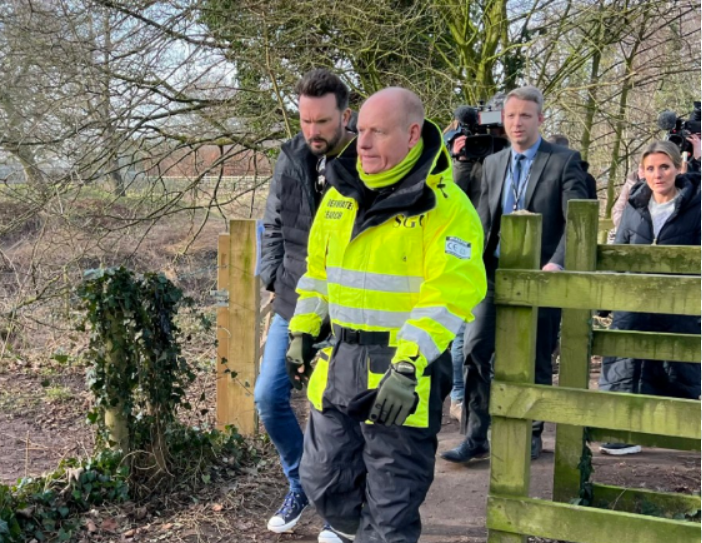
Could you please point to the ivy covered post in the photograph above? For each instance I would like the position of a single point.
(138, 377)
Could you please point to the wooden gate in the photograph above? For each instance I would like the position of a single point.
(648, 420)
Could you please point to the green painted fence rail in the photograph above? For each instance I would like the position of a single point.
(637, 500)
(579, 524)
(648, 345)
(592, 282)
(679, 260)
(602, 290)
(616, 411)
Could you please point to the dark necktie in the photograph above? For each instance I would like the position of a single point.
(514, 195)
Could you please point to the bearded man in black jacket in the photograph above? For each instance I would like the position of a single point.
(295, 193)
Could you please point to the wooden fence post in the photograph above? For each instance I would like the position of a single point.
(515, 350)
(576, 334)
(238, 350)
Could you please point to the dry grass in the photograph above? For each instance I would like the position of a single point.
(43, 255)
(43, 397)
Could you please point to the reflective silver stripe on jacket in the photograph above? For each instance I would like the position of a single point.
(382, 282)
(439, 314)
(314, 305)
(310, 284)
(422, 338)
(370, 317)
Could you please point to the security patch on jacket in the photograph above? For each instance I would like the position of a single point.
(458, 248)
(338, 207)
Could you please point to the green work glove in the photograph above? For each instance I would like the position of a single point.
(298, 359)
(396, 399)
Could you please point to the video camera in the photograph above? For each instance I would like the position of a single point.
(477, 123)
(680, 128)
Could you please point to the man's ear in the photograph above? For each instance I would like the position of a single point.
(415, 133)
(346, 117)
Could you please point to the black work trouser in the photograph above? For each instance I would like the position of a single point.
(479, 350)
(370, 479)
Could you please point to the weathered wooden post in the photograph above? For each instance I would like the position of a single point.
(576, 334)
(515, 350)
(237, 328)
(116, 422)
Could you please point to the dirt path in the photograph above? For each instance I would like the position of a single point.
(454, 511)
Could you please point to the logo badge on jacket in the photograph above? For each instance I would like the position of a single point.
(409, 222)
(458, 248)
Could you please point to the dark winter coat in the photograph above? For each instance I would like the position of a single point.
(682, 228)
(292, 202)
(664, 378)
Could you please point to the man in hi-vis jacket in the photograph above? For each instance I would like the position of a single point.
(395, 261)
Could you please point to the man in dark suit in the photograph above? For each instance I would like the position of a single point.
(540, 177)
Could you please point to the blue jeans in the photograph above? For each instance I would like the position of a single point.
(458, 359)
(272, 398)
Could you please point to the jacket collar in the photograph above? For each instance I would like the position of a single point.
(298, 151)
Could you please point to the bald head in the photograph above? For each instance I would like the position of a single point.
(402, 104)
(390, 123)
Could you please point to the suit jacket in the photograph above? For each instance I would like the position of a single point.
(556, 177)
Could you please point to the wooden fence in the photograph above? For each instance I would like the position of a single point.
(239, 320)
(591, 282)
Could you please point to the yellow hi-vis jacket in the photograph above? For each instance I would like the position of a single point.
(410, 264)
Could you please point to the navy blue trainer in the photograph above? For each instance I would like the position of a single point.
(289, 513)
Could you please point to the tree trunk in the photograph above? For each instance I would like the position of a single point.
(591, 104)
(623, 100)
